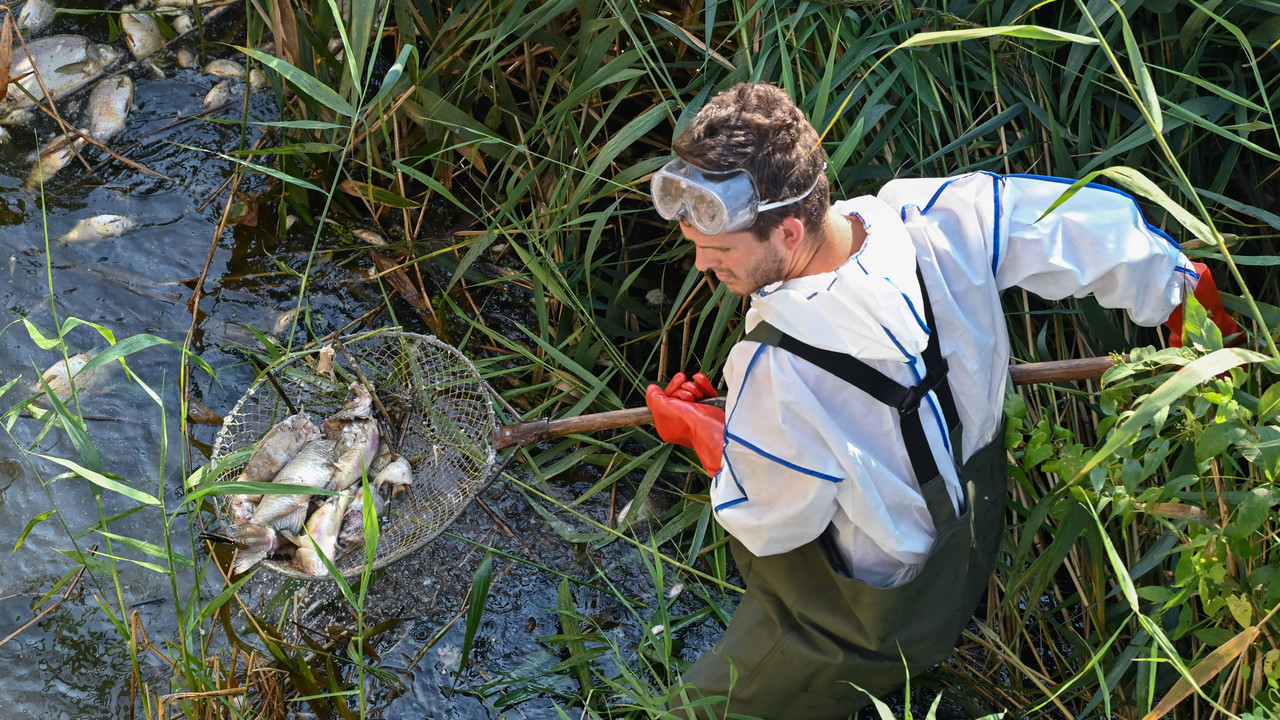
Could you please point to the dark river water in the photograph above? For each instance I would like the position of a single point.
(73, 663)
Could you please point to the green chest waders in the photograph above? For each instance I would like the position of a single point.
(805, 632)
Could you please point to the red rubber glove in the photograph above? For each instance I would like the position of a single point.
(680, 419)
(1207, 295)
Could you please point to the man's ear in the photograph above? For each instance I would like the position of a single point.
(793, 231)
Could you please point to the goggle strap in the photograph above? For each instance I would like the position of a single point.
(787, 201)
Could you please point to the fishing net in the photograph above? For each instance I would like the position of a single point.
(436, 412)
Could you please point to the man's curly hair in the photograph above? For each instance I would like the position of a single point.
(758, 128)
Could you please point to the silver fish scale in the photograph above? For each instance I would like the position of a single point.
(443, 421)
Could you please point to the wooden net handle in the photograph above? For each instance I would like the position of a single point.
(537, 430)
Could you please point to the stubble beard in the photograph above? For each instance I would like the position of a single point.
(769, 269)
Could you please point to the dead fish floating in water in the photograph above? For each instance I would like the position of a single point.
(99, 227)
(224, 68)
(16, 117)
(182, 24)
(64, 63)
(220, 94)
(201, 414)
(55, 155)
(141, 34)
(60, 375)
(109, 106)
(36, 15)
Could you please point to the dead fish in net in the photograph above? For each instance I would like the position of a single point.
(265, 533)
(99, 227)
(254, 542)
(311, 467)
(109, 106)
(59, 377)
(357, 444)
(396, 476)
(281, 444)
(322, 529)
(351, 534)
(359, 406)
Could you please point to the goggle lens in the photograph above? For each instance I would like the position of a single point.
(681, 190)
(706, 212)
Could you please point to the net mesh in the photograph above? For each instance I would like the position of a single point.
(435, 408)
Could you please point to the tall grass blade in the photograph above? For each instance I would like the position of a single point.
(304, 83)
(480, 582)
(571, 630)
(31, 525)
(101, 480)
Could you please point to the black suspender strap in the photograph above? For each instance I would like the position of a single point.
(906, 400)
(933, 358)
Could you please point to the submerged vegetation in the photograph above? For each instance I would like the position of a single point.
(497, 154)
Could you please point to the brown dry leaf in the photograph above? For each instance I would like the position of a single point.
(1179, 510)
(6, 53)
(369, 236)
(244, 211)
(1205, 670)
(199, 413)
(400, 281)
(283, 26)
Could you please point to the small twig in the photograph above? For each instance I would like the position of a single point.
(71, 588)
(275, 383)
(96, 418)
(494, 517)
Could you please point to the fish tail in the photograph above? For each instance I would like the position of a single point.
(247, 559)
(254, 542)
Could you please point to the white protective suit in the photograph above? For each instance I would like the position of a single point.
(804, 449)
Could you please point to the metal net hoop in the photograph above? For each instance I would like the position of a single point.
(439, 416)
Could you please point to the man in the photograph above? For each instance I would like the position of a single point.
(858, 464)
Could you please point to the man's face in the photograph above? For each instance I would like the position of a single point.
(739, 260)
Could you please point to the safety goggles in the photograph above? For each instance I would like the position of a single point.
(714, 202)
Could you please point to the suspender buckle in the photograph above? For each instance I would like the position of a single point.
(934, 376)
